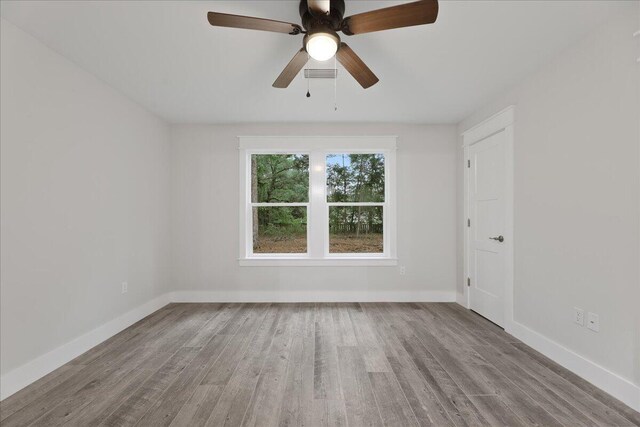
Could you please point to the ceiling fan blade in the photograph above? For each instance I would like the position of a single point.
(354, 65)
(319, 7)
(250, 23)
(405, 15)
(292, 69)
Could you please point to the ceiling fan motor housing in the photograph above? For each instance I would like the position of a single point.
(333, 20)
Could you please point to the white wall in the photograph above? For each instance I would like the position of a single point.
(577, 188)
(84, 201)
(85, 206)
(205, 219)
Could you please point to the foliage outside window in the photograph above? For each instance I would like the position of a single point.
(279, 196)
(355, 196)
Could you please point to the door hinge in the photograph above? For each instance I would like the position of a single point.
(469, 163)
(468, 222)
(468, 281)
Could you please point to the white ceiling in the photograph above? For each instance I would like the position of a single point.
(165, 56)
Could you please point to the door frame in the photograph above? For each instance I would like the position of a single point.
(502, 121)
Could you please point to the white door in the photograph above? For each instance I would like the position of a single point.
(487, 208)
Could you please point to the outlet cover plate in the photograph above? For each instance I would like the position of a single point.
(593, 322)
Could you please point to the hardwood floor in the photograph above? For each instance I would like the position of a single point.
(313, 365)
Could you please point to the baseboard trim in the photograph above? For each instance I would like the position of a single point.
(617, 386)
(461, 299)
(313, 296)
(32, 371)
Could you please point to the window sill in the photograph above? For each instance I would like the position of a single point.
(318, 262)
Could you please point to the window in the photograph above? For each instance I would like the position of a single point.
(279, 203)
(355, 197)
(317, 201)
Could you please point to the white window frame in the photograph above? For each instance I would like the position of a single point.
(317, 207)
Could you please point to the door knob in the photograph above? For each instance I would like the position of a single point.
(499, 238)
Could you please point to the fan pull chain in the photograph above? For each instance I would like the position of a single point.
(308, 80)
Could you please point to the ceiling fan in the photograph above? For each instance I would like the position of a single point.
(321, 21)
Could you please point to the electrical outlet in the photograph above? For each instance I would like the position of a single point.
(125, 287)
(578, 316)
(593, 322)
(403, 270)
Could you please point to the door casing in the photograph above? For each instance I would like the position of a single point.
(500, 122)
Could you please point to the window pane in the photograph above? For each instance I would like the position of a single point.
(280, 230)
(279, 178)
(355, 229)
(355, 177)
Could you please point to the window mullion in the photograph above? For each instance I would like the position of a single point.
(276, 205)
(317, 198)
(356, 203)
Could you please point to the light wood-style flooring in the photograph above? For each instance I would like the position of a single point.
(392, 364)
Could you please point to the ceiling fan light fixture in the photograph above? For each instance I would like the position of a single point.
(322, 45)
